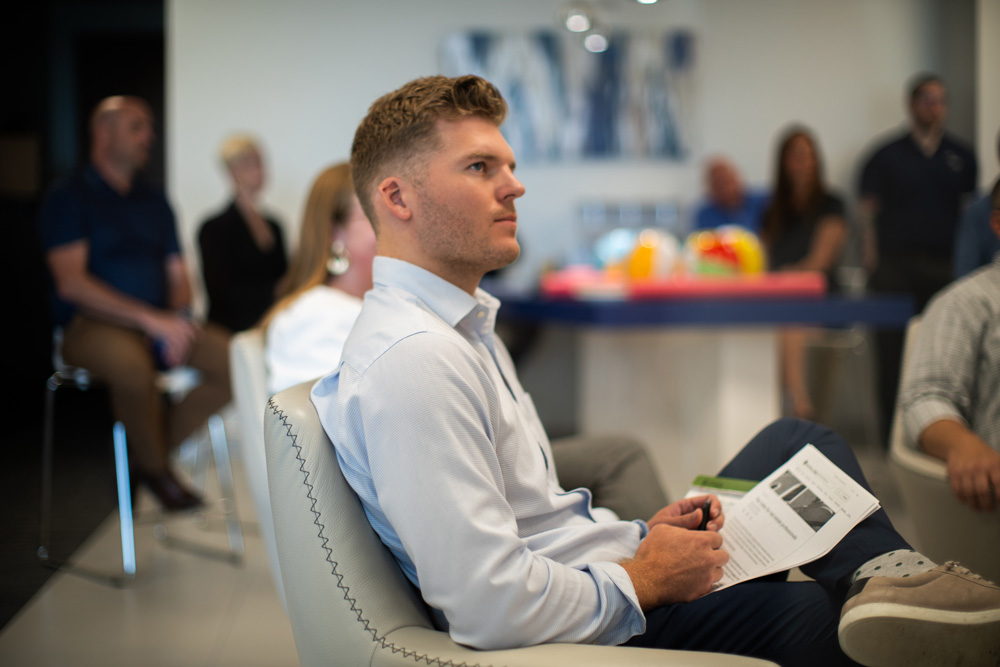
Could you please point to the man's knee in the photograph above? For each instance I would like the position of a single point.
(210, 354)
(116, 355)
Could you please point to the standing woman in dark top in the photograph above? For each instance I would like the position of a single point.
(804, 230)
(242, 251)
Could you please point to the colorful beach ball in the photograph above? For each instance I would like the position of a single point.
(728, 250)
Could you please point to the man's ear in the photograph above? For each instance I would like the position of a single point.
(395, 196)
(995, 221)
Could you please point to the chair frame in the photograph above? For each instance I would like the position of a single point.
(80, 378)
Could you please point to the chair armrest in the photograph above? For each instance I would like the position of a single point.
(918, 462)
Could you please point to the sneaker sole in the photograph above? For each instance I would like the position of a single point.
(884, 634)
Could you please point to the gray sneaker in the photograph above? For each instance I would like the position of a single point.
(948, 616)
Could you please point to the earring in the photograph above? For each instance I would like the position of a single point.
(340, 259)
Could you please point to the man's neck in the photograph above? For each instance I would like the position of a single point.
(119, 178)
(927, 139)
(467, 281)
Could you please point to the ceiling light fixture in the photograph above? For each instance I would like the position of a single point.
(596, 42)
(578, 20)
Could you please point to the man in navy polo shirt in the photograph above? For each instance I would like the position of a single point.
(122, 294)
(913, 190)
(728, 200)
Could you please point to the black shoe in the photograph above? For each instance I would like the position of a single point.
(170, 492)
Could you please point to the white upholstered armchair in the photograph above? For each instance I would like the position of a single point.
(348, 601)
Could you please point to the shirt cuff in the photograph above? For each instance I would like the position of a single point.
(614, 583)
(919, 416)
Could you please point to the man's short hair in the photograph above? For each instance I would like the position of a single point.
(401, 126)
(918, 82)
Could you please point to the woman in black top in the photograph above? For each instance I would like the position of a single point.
(804, 230)
(242, 251)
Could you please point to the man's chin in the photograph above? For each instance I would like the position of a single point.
(507, 258)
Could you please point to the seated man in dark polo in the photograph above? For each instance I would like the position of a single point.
(455, 472)
(122, 294)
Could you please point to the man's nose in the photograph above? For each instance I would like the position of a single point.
(512, 188)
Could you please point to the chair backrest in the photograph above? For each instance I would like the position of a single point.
(945, 528)
(322, 530)
(248, 373)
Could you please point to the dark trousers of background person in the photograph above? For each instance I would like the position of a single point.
(615, 469)
(123, 360)
(791, 623)
(921, 276)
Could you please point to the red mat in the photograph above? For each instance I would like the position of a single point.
(588, 284)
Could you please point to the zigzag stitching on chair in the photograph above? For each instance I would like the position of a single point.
(380, 640)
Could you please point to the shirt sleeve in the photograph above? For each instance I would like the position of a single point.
(942, 370)
(171, 242)
(870, 184)
(429, 414)
(217, 268)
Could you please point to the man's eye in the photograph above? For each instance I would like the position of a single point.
(478, 166)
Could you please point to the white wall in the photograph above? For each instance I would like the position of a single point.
(301, 74)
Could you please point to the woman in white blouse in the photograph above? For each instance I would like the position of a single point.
(320, 296)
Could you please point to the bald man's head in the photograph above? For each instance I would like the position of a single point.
(121, 129)
(725, 187)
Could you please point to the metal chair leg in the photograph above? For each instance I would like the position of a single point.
(55, 381)
(124, 501)
(51, 385)
(227, 501)
(224, 471)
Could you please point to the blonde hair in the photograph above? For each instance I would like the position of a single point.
(401, 126)
(236, 146)
(329, 205)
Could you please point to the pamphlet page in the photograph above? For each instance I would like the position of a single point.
(794, 516)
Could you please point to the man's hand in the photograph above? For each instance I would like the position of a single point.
(973, 466)
(686, 513)
(675, 565)
(174, 331)
(974, 473)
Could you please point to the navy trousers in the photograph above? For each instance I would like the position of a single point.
(791, 623)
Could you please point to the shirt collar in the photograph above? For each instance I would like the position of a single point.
(448, 301)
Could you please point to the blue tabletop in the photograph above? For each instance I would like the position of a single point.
(877, 311)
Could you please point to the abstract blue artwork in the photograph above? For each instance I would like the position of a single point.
(634, 100)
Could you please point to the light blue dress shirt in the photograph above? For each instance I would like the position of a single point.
(750, 215)
(443, 446)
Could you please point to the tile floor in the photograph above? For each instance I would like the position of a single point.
(181, 609)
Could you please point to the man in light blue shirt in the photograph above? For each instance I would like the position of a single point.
(453, 468)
